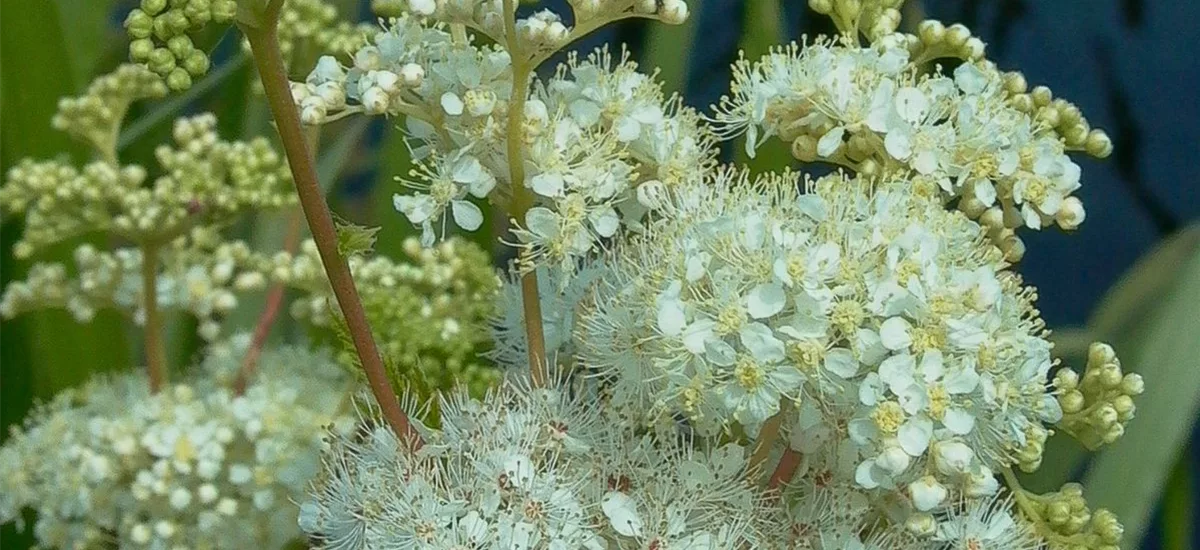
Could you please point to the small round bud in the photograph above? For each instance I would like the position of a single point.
(973, 48)
(139, 24)
(1071, 402)
(422, 7)
(375, 101)
(179, 79)
(180, 46)
(1100, 353)
(1070, 214)
(196, 63)
(1066, 379)
(1015, 83)
(804, 148)
(412, 75)
(1098, 144)
(1132, 384)
(154, 7)
(957, 35)
(1013, 248)
(140, 50)
(921, 525)
(1042, 96)
(673, 12)
(932, 32)
(849, 9)
(823, 7)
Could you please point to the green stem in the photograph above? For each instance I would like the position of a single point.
(523, 199)
(264, 44)
(156, 355)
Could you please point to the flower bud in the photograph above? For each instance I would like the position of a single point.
(673, 12)
(412, 75)
(1070, 214)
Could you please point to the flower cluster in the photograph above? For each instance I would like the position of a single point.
(96, 116)
(430, 315)
(191, 466)
(199, 274)
(160, 28)
(866, 307)
(600, 140)
(204, 181)
(978, 136)
(532, 468)
(1096, 408)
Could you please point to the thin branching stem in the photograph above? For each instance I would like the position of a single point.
(264, 45)
(522, 198)
(262, 329)
(156, 354)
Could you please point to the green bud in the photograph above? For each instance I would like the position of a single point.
(154, 7)
(1132, 384)
(140, 50)
(177, 21)
(161, 61)
(139, 24)
(179, 80)
(224, 11)
(196, 63)
(180, 46)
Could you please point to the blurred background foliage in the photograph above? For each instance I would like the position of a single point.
(1131, 276)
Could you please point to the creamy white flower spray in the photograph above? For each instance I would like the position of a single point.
(696, 357)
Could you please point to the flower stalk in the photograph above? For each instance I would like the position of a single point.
(522, 198)
(156, 355)
(262, 34)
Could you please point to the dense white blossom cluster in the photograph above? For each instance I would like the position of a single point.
(871, 310)
(859, 358)
(532, 468)
(601, 141)
(193, 466)
(975, 136)
(729, 362)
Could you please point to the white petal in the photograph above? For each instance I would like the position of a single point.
(841, 362)
(605, 222)
(867, 475)
(452, 104)
(466, 215)
(895, 334)
(911, 104)
(622, 513)
(696, 334)
(547, 185)
(914, 435)
(897, 372)
(671, 318)
(542, 221)
(830, 142)
(762, 343)
(958, 421)
(926, 493)
(765, 300)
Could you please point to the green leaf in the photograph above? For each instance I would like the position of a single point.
(353, 239)
(1161, 343)
(46, 351)
(86, 33)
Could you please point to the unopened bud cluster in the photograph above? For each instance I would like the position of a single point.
(204, 181)
(1072, 524)
(96, 116)
(1097, 407)
(160, 30)
(429, 314)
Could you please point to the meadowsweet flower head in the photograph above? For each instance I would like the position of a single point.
(890, 315)
(601, 140)
(193, 464)
(975, 136)
(531, 468)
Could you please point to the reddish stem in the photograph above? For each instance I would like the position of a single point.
(264, 44)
